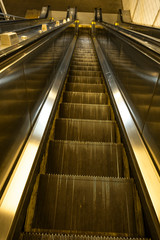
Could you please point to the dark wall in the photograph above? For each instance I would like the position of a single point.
(19, 7)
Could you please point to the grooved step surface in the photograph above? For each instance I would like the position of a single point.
(43, 236)
(85, 68)
(78, 158)
(85, 111)
(85, 59)
(85, 130)
(75, 204)
(82, 79)
(80, 63)
(85, 73)
(83, 87)
(81, 97)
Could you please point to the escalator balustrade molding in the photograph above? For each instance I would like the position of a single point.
(86, 191)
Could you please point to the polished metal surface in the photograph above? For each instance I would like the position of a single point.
(138, 77)
(24, 86)
(148, 47)
(150, 42)
(33, 34)
(143, 162)
(15, 25)
(13, 193)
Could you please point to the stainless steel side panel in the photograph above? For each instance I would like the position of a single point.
(138, 77)
(24, 85)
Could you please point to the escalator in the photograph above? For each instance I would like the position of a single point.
(84, 189)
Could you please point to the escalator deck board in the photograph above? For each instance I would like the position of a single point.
(85, 130)
(78, 158)
(44, 236)
(94, 205)
(85, 111)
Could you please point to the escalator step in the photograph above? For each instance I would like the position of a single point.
(84, 63)
(85, 111)
(85, 68)
(78, 158)
(83, 50)
(85, 130)
(81, 79)
(85, 73)
(88, 98)
(90, 205)
(44, 236)
(85, 55)
(85, 87)
(84, 59)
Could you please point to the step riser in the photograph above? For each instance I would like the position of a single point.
(75, 158)
(88, 98)
(89, 80)
(84, 111)
(85, 68)
(78, 130)
(85, 73)
(86, 204)
(75, 87)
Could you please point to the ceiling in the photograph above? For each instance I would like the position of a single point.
(19, 7)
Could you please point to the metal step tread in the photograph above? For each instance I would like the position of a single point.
(85, 130)
(85, 87)
(84, 55)
(85, 111)
(83, 97)
(45, 236)
(85, 59)
(77, 63)
(80, 158)
(85, 68)
(85, 73)
(90, 205)
(84, 79)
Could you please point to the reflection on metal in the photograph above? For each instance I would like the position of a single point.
(37, 35)
(144, 162)
(3, 7)
(147, 45)
(12, 196)
(138, 78)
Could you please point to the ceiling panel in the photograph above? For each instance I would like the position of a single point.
(19, 7)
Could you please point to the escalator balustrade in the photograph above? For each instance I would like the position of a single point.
(85, 191)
